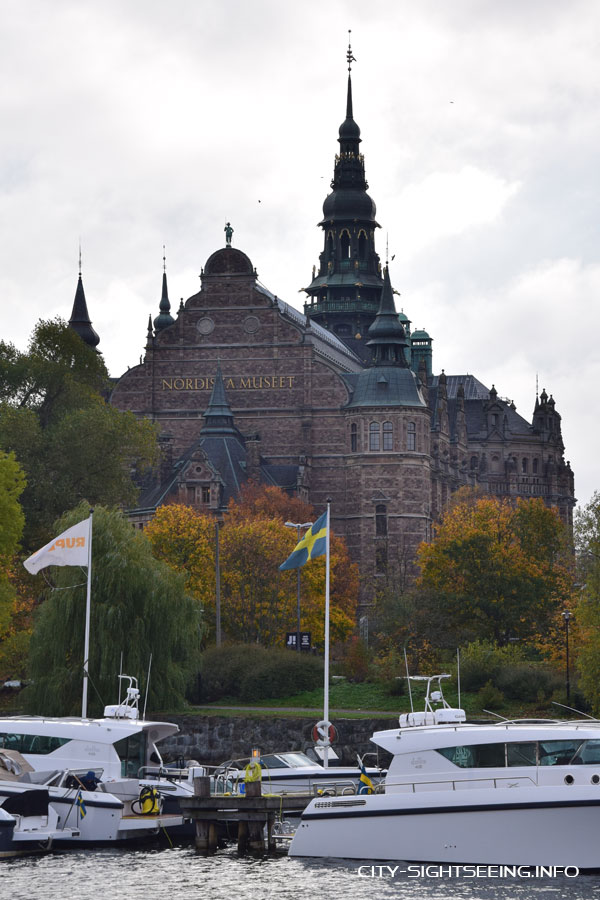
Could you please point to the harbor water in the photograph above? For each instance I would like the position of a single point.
(179, 873)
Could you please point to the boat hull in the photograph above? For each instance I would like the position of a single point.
(525, 827)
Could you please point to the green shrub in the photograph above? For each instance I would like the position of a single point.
(490, 697)
(252, 672)
(527, 682)
(482, 661)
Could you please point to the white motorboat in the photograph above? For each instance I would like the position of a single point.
(54, 807)
(117, 754)
(513, 792)
(296, 772)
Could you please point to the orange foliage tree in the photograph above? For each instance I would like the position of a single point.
(258, 602)
(498, 570)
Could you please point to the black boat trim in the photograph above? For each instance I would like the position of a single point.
(439, 810)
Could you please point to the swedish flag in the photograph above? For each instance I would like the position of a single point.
(312, 544)
(80, 806)
(365, 785)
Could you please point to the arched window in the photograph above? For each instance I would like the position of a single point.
(474, 462)
(353, 437)
(388, 436)
(524, 465)
(411, 436)
(535, 466)
(330, 245)
(381, 520)
(362, 244)
(374, 436)
(345, 245)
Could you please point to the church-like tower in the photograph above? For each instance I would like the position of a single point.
(345, 292)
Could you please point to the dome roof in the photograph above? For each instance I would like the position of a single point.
(228, 261)
(386, 386)
(345, 203)
(421, 335)
(349, 130)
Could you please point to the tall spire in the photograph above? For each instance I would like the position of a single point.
(80, 320)
(386, 336)
(164, 318)
(344, 294)
(218, 418)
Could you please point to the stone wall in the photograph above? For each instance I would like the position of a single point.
(214, 739)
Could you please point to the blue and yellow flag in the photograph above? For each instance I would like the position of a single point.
(365, 785)
(312, 544)
(80, 806)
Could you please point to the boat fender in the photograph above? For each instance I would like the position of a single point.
(253, 771)
(148, 803)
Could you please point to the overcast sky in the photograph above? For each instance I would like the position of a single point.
(132, 123)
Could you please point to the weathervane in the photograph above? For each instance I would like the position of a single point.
(349, 55)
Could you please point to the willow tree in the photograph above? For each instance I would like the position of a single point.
(140, 609)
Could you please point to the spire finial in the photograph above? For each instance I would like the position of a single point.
(349, 56)
(387, 249)
(80, 257)
(164, 259)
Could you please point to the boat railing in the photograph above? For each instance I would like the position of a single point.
(498, 782)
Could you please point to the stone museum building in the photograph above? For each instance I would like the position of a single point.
(339, 400)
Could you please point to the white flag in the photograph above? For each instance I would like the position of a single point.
(69, 549)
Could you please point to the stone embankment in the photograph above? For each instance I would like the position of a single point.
(214, 739)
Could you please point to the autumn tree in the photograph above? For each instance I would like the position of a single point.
(140, 608)
(70, 442)
(497, 570)
(587, 609)
(258, 602)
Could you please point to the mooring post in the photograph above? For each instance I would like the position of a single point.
(204, 839)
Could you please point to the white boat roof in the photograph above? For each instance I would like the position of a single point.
(102, 731)
(431, 737)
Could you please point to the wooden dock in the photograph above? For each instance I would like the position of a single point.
(254, 815)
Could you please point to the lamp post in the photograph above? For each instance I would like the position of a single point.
(567, 615)
(218, 523)
(298, 526)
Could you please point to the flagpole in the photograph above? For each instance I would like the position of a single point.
(86, 641)
(326, 672)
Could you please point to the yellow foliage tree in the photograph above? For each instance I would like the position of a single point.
(258, 602)
(498, 570)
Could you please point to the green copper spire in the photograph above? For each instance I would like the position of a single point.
(386, 336)
(218, 418)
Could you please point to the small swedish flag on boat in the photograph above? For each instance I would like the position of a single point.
(80, 806)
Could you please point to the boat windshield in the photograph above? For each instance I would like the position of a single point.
(132, 753)
(285, 761)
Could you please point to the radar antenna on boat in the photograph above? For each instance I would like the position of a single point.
(128, 709)
(443, 714)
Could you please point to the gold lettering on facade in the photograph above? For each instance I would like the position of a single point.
(241, 383)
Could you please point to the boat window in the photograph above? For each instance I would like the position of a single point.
(589, 754)
(132, 753)
(41, 744)
(558, 753)
(273, 762)
(297, 759)
(523, 754)
(475, 756)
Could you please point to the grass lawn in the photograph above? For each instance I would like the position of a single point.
(370, 697)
